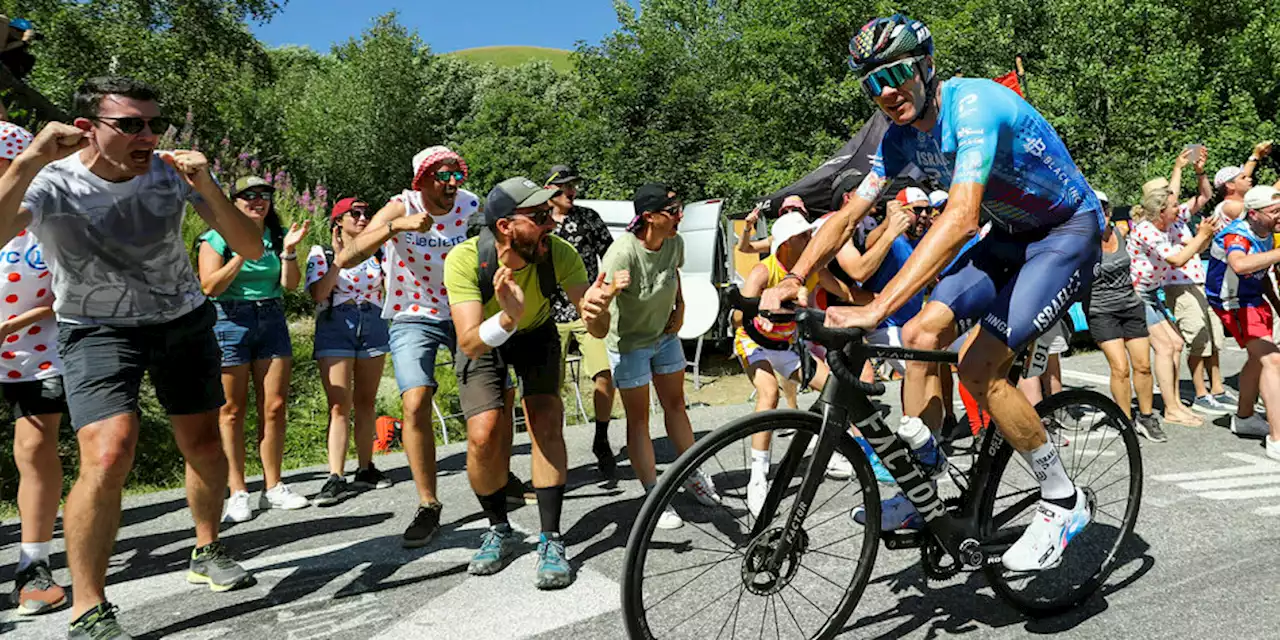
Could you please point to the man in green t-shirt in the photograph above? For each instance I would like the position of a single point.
(511, 326)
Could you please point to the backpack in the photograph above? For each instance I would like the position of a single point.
(487, 262)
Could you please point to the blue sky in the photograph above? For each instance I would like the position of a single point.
(446, 25)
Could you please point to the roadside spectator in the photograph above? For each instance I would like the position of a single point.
(1240, 290)
(1117, 322)
(1231, 183)
(1154, 253)
(1200, 328)
(643, 344)
(938, 202)
(501, 284)
(254, 338)
(31, 380)
(351, 346)
(127, 304)
(415, 231)
(747, 243)
(587, 233)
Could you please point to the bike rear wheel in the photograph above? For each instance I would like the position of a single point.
(1103, 459)
(699, 581)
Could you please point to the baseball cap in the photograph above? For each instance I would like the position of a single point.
(651, 196)
(432, 156)
(1102, 197)
(512, 194)
(249, 182)
(845, 182)
(793, 202)
(1261, 198)
(787, 227)
(938, 198)
(912, 194)
(343, 206)
(1225, 175)
(561, 174)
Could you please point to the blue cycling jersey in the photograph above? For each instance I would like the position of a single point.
(989, 135)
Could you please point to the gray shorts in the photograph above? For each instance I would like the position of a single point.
(102, 366)
(535, 357)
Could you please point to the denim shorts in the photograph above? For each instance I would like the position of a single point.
(413, 350)
(637, 368)
(351, 330)
(251, 330)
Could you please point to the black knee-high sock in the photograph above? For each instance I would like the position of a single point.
(602, 434)
(494, 507)
(550, 499)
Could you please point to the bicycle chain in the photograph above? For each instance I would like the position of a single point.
(932, 555)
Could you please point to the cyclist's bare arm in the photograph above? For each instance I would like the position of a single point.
(824, 245)
(834, 285)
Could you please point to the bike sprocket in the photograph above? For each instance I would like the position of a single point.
(933, 555)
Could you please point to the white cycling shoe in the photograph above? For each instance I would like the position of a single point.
(1046, 538)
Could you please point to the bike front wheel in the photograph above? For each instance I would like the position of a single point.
(1105, 461)
(703, 579)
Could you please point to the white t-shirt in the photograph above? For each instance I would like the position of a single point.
(29, 354)
(115, 248)
(414, 262)
(361, 283)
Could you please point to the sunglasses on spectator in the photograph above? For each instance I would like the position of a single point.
(537, 216)
(361, 212)
(672, 210)
(891, 75)
(133, 126)
(443, 176)
(250, 196)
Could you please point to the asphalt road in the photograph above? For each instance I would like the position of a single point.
(1201, 564)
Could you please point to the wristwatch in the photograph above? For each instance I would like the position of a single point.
(289, 256)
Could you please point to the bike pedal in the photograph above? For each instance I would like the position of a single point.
(903, 539)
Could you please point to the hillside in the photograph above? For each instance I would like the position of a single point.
(510, 56)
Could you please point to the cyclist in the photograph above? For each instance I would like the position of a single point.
(992, 151)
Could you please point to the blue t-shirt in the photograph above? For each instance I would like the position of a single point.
(899, 251)
(989, 135)
(1225, 288)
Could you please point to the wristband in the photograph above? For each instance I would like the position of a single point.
(492, 333)
(795, 277)
(289, 256)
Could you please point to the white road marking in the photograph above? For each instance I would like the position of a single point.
(1233, 483)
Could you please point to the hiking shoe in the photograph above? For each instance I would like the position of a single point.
(519, 493)
(605, 462)
(700, 486)
(98, 623)
(370, 478)
(35, 592)
(211, 565)
(1254, 426)
(1051, 529)
(1148, 426)
(670, 519)
(238, 507)
(1228, 399)
(425, 525)
(496, 547)
(282, 497)
(895, 513)
(1209, 405)
(333, 491)
(553, 566)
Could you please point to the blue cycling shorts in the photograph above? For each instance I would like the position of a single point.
(1018, 284)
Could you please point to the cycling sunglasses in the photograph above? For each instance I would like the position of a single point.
(443, 176)
(133, 126)
(891, 75)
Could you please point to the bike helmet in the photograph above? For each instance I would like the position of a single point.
(884, 40)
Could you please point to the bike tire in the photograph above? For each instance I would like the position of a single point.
(1112, 417)
(667, 489)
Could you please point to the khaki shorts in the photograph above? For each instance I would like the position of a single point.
(594, 359)
(1200, 327)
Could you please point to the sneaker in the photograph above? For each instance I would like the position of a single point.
(211, 565)
(98, 623)
(605, 461)
(757, 491)
(553, 566)
(700, 485)
(1273, 448)
(895, 513)
(425, 525)
(1209, 405)
(371, 478)
(519, 493)
(1148, 426)
(496, 547)
(1228, 399)
(282, 497)
(238, 507)
(839, 467)
(35, 592)
(1254, 426)
(670, 520)
(1048, 535)
(333, 491)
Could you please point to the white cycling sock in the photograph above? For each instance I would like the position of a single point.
(30, 553)
(1048, 469)
(759, 462)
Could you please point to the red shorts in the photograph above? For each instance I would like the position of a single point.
(1247, 324)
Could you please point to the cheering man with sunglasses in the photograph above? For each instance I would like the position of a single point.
(992, 151)
(416, 230)
(108, 209)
